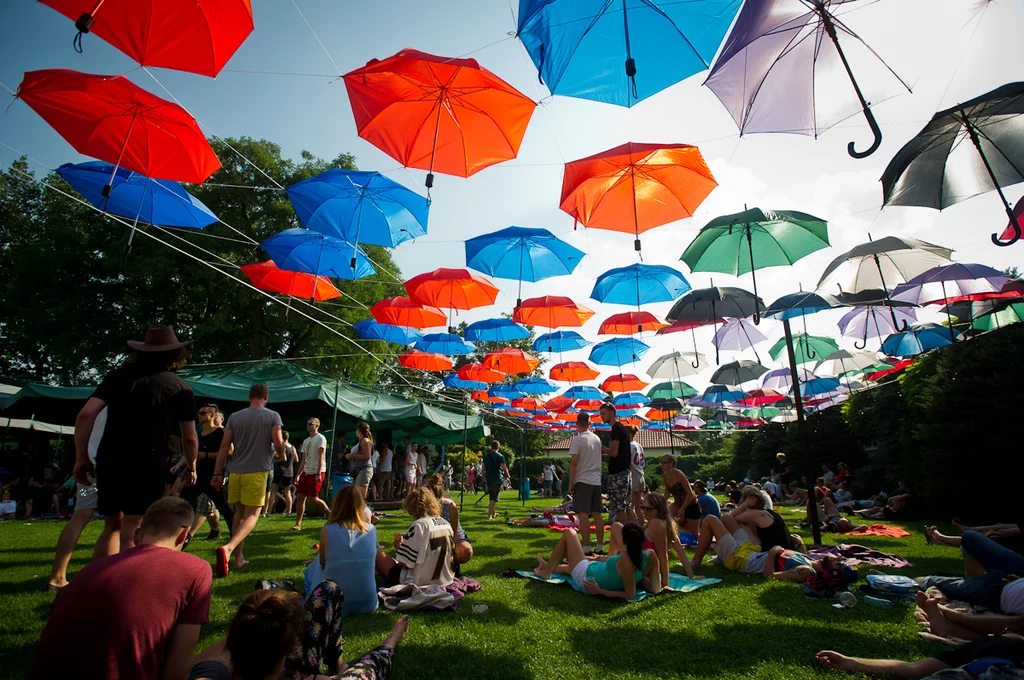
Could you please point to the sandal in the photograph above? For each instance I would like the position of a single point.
(222, 562)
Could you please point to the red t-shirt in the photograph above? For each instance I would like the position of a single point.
(116, 617)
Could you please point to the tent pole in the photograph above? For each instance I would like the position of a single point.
(522, 463)
(801, 427)
(334, 436)
(465, 445)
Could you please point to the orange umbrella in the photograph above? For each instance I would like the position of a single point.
(512, 361)
(631, 420)
(623, 383)
(528, 403)
(636, 187)
(658, 414)
(628, 323)
(481, 395)
(573, 371)
(551, 311)
(425, 361)
(481, 373)
(451, 289)
(267, 276)
(568, 416)
(401, 311)
(558, 403)
(435, 113)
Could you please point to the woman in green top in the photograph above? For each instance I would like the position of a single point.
(609, 576)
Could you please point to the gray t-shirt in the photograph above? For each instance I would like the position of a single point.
(250, 433)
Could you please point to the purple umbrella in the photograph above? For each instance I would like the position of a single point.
(874, 321)
(954, 280)
(738, 335)
(781, 380)
(688, 421)
(786, 67)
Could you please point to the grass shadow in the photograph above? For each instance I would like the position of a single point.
(426, 661)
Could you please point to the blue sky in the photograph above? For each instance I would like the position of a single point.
(951, 50)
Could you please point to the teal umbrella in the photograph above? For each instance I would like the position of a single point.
(806, 348)
(779, 237)
(1012, 313)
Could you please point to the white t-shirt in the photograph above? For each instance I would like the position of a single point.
(97, 434)
(1011, 601)
(587, 446)
(426, 553)
(311, 449)
(375, 458)
(636, 463)
(549, 475)
(385, 461)
(422, 461)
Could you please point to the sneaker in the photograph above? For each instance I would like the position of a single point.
(599, 552)
(588, 552)
(213, 535)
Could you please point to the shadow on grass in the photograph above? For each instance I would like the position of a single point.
(412, 661)
(783, 601)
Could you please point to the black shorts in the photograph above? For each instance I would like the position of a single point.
(130, 491)
(280, 479)
(692, 511)
(493, 490)
(395, 575)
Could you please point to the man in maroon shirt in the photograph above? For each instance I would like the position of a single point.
(136, 614)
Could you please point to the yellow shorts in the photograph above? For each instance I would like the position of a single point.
(738, 559)
(248, 488)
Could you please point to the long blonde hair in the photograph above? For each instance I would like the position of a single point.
(348, 509)
(363, 429)
(660, 505)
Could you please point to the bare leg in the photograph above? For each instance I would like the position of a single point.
(245, 521)
(911, 670)
(937, 622)
(128, 526)
(300, 509)
(942, 539)
(615, 539)
(69, 536)
(288, 499)
(109, 542)
(197, 524)
(490, 508)
(398, 632)
(214, 521)
(710, 528)
(323, 506)
(599, 528)
(568, 547)
(384, 563)
(585, 529)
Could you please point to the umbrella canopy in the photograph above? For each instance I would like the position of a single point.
(621, 53)
(718, 394)
(761, 397)
(446, 288)
(781, 379)
(666, 406)
(819, 387)
(737, 335)
(617, 351)
(401, 311)
(874, 321)
(788, 66)
(398, 335)
(438, 114)
(445, 343)
(1011, 289)
(676, 365)
(267, 276)
(198, 37)
(629, 399)
(425, 361)
(881, 264)
(728, 243)
(628, 323)
(559, 341)
(622, 383)
(572, 371)
(535, 386)
(511, 361)
(687, 421)
(1008, 314)
(481, 395)
(559, 403)
(738, 372)
(800, 304)
(805, 347)
(671, 389)
(639, 284)
(583, 392)
(1014, 224)
(302, 250)
(114, 120)
(918, 339)
(966, 150)
(527, 403)
(496, 330)
(551, 311)
(588, 405)
(455, 382)
(480, 373)
(706, 306)
(505, 392)
(842, 362)
(522, 254)
(948, 281)
(359, 207)
(636, 187)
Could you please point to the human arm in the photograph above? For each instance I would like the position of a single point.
(83, 430)
(504, 468)
(222, 458)
(277, 438)
(180, 651)
(769, 562)
(683, 559)
(572, 473)
(320, 455)
(365, 450)
(611, 451)
(909, 670)
(453, 514)
(190, 445)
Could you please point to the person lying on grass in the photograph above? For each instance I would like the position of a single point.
(615, 576)
(747, 529)
(993, 576)
(560, 509)
(1008, 648)
(660, 535)
(424, 554)
(1006, 535)
(834, 522)
(952, 623)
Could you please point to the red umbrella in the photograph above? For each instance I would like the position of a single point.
(528, 403)
(267, 276)
(452, 289)
(544, 418)
(1011, 289)
(558, 403)
(568, 416)
(762, 397)
(435, 113)
(511, 361)
(425, 361)
(114, 120)
(198, 36)
(481, 395)
(896, 368)
(628, 323)
(401, 311)
(573, 371)
(623, 383)
(551, 311)
(480, 373)
(588, 404)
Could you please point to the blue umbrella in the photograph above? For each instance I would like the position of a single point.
(626, 412)
(657, 425)
(136, 197)
(359, 207)
(631, 398)
(521, 254)
(302, 250)
(453, 380)
(716, 395)
(800, 304)
(399, 335)
(583, 392)
(621, 52)
(496, 330)
(617, 351)
(640, 284)
(535, 386)
(918, 339)
(818, 387)
(559, 341)
(505, 391)
(444, 343)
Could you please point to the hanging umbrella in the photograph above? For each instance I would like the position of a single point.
(819, 387)
(738, 335)
(114, 120)
(199, 36)
(311, 252)
(676, 365)
(401, 311)
(559, 341)
(481, 395)
(763, 412)
(583, 392)
(438, 114)
(480, 373)
(527, 403)
(551, 311)
(451, 289)
(939, 284)
(398, 335)
(671, 389)
(872, 315)
(621, 53)
(793, 66)
(1018, 214)
(425, 361)
(918, 339)
(639, 284)
(806, 347)
(1011, 289)
(888, 369)
(535, 386)
(781, 379)
(779, 237)
(738, 372)
(1008, 314)
(623, 383)
(445, 343)
(588, 405)
(966, 150)
(455, 382)
(267, 276)
(359, 207)
(715, 395)
(841, 362)
(630, 399)
(505, 392)
(617, 351)
(706, 306)
(572, 371)
(511, 361)
(496, 330)
(628, 323)
(559, 403)
(762, 396)
(666, 406)
(522, 254)
(801, 304)
(636, 187)
(687, 421)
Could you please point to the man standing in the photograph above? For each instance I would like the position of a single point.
(210, 439)
(495, 471)
(412, 466)
(617, 453)
(313, 463)
(146, 403)
(385, 471)
(255, 433)
(549, 479)
(585, 482)
(132, 615)
(422, 464)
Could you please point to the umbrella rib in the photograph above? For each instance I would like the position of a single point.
(757, 90)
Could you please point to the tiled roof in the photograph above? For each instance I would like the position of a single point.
(649, 439)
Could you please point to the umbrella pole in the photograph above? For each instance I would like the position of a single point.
(753, 275)
(433, 150)
(949, 318)
(756, 356)
(1014, 222)
(888, 300)
(630, 62)
(334, 435)
(696, 362)
(465, 446)
(519, 295)
(522, 463)
(632, 176)
(801, 427)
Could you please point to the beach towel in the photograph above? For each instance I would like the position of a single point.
(408, 597)
(857, 554)
(890, 530)
(678, 583)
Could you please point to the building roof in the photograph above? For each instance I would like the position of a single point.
(649, 439)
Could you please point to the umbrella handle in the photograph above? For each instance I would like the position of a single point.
(859, 346)
(875, 130)
(1015, 223)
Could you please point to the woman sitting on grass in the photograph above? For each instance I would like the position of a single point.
(615, 576)
(463, 550)
(684, 507)
(424, 554)
(660, 535)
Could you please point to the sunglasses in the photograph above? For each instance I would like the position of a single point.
(645, 508)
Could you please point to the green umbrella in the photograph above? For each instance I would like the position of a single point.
(806, 347)
(763, 412)
(779, 237)
(671, 389)
(1013, 313)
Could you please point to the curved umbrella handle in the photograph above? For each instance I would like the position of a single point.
(1015, 223)
(696, 362)
(875, 130)
(859, 346)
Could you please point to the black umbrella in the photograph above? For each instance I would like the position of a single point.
(709, 305)
(738, 372)
(940, 166)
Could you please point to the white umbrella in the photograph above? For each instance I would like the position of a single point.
(738, 335)
(675, 365)
(843, 361)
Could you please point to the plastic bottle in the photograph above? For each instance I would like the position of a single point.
(508, 519)
(876, 601)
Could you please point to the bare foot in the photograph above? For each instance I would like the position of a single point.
(958, 526)
(296, 528)
(936, 621)
(240, 561)
(834, 661)
(398, 632)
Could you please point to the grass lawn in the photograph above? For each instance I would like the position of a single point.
(744, 627)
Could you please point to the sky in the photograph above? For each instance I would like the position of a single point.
(282, 85)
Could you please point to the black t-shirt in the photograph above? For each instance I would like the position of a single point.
(211, 444)
(620, 463)
(143, 410)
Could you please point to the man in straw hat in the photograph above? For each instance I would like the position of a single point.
(146, 403)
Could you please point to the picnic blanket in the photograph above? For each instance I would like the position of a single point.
(857, 554)
(678, 583)
(890, 530)
(407, 597)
